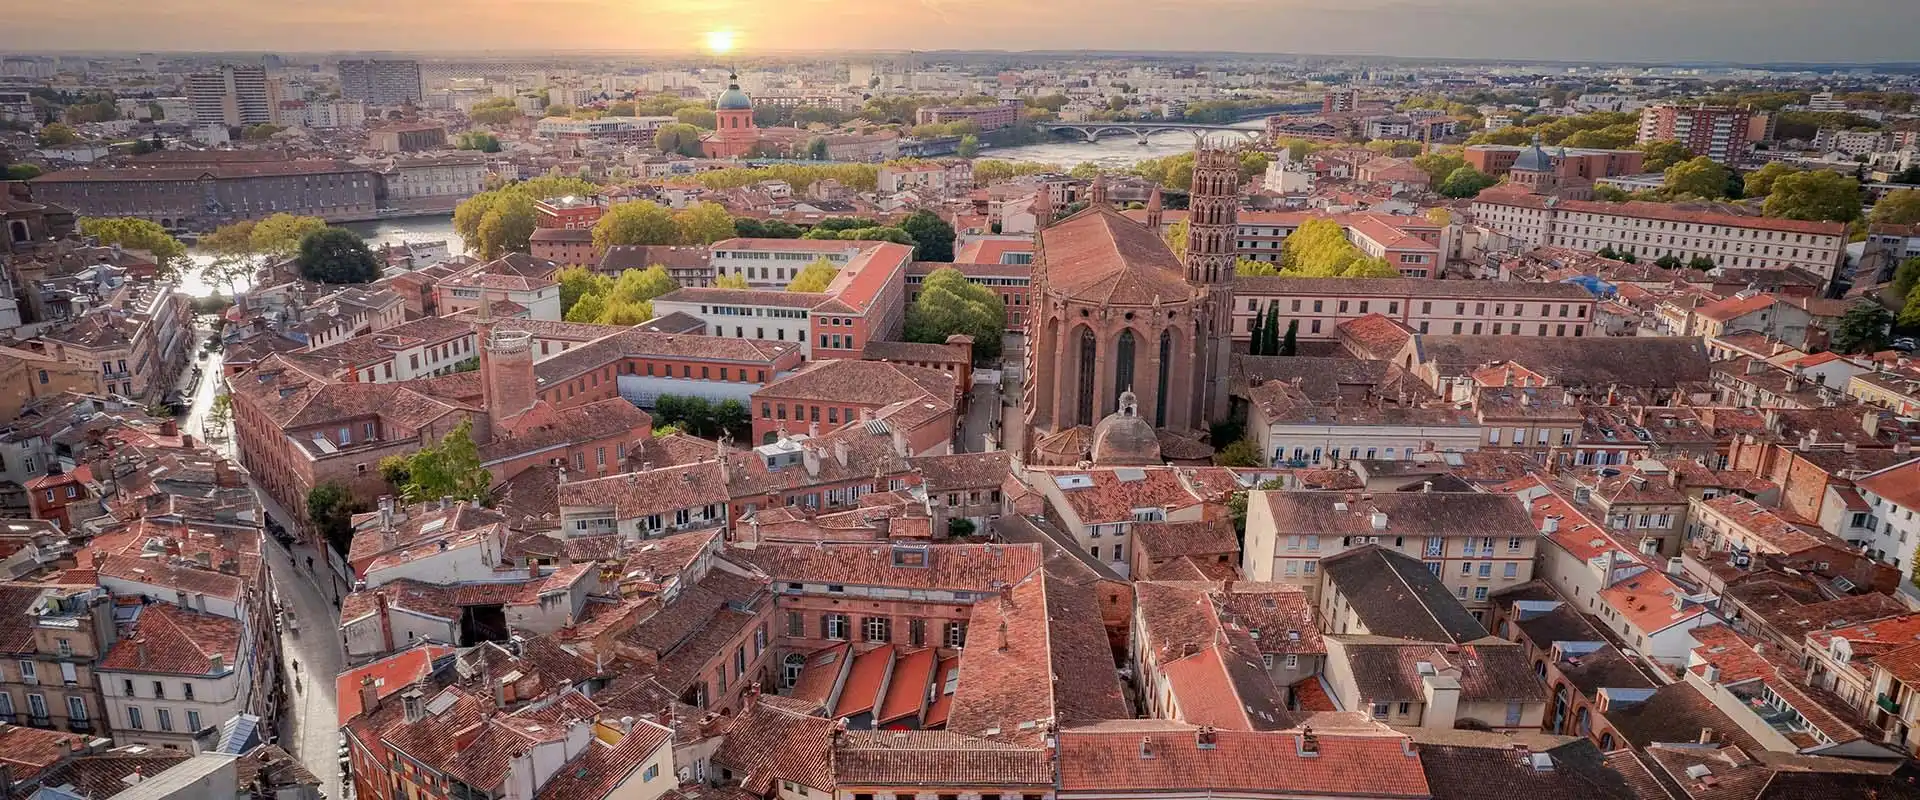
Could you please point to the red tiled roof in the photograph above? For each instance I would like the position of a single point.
(1098, 255)
(170, 639)
(390, 675)
(1135, 756)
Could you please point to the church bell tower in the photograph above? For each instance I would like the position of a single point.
(1213, 221)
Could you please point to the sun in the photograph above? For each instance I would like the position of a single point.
(720, 42)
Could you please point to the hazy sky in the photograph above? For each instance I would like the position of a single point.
(1666, 30)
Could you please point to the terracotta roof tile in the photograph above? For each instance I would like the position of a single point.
(168, 639)
(1108, 758)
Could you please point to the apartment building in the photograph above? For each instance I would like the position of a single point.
(381, 82)
(55, 637)
(178, 672)
(1653, 230)
(133, 344)
(773, 263)
(1475, 543)
(1320, 305)
(1717, 132)
(232, 96)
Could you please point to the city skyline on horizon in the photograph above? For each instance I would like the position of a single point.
(1614, 31)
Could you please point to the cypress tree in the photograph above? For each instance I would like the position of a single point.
(1287, 347)
(1273, 329)
(1257, 338)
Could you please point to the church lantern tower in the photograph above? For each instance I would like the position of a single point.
(1213, 222)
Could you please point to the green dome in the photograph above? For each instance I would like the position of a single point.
(733, 99)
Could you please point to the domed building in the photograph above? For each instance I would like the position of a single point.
(734, 134)
(1122, 327)
(1536, 171)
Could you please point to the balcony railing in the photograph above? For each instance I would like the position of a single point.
(1888, 705)
(80, 725)
(38, 721)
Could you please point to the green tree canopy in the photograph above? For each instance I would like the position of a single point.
(497, 111)
(501, 220)
(817, 148)
(578, 282)
(950, 304)
(1661, 154)
(1863, 329)
(703, 223)
(1759, 183)
(279, 236)
(1319, 249)
(1700, 177)
(641, 222)
(137, 234)
(336, 255)
(1249, 268)
(449, 469)
(1466, 182)
(969, 146)
(731, 281)
(330, 509)
(233, 253)
(1901, 207)
(58, 134)
(701, 118)
(815, 276)
(751, 228)
(678, 137)
(1439, 166)
(1240, 453)
(1906, 277)
(932, 236)
(1815, 195)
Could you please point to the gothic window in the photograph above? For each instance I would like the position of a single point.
(1123, 367)
(1166, 366)
(1087, 365)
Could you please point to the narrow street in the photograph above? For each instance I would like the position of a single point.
(309, 726)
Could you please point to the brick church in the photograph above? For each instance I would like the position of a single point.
(1129, 343)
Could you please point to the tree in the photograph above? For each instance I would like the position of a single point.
(1627, 257)
(1815, 195)
(932, 236)
(449, 469)
(817, 148)
(640, 285)
(1319, 249)
(483, 142)
(1863, 329)
(1668, 261)
(1900, 207)
(701, 118)
(1701, 177)
(814, 277)
(1270, 343)
(233, 254)
(336, 255)
(641, 222)
(578, 282)
(1910, 311)
(330, 510)
(220, 412)
(1290, 345)
(1240, 453)
(58, 134)
(137, 234)
(1176, 238)
(22, 172)
(969, 146)
(1607, 251)
(731, 281)
(589, 308)
(1663, 153)
(950, 304)
(703, 223)
(497, 111)
(678, 137)
(1439, 166)
(1611, 194)
(279, 236)
(750, 228)
(261, 132)
(1906, 277)
(1249, 268)
(507, 226)
(1466, 182)
(1701, 263)
(1759, 183)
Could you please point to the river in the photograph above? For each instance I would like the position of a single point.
(1112, 152)
(1116, 151)
(426, 228)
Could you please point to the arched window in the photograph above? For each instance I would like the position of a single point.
(1088, 362)
(19, 228)
(1606, 743)
(1166, 367)
(1123, 366)
(790, 669)
(1583, 722)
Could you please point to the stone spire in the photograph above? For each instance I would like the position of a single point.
(1154, 210)
(1042, 208)
(1097, 194)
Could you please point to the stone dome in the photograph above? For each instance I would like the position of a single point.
(733, 99)
(1534, 159)
(1123, 438)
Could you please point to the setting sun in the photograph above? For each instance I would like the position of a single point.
(720, 42)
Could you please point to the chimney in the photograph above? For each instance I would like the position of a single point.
(1426, 487)
(1870, 422)
(810, 456)
(386, 622)
(1205, 738)
(1550, 525)
(1379, 519)
(369, 695)
(813, 430)
(1442, 695)
(169, 428)
(840, 451)
(386, 512)
(1706, 736)
(901, 447)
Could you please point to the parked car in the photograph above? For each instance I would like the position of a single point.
(1905, 344)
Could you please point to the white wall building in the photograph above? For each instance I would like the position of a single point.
(1893, 518)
